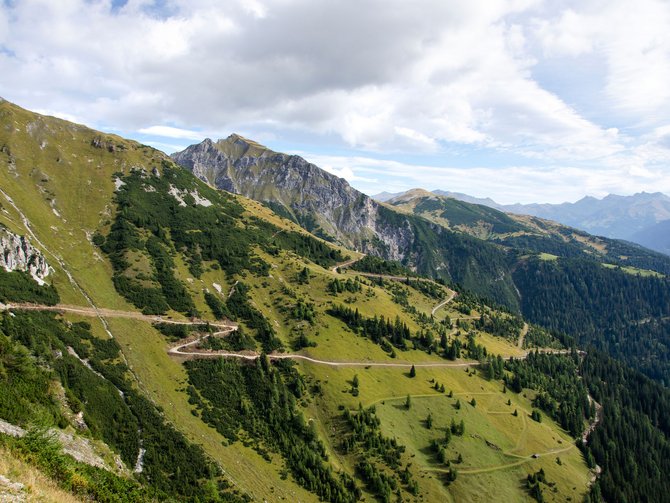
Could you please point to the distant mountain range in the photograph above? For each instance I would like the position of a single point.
(642, 218)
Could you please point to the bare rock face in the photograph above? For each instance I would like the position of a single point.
(321, 202)
(17, 254)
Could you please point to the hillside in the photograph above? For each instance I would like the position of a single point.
(632, 218)
(527, 233)
(330, 208)
(142, 255)
(188, 344)
(503, 257)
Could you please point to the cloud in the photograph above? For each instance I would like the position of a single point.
(387, 78)
(380, 75)
(171, 132)
(506, 185)
(633, 40)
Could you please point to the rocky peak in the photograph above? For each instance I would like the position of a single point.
(328, 204)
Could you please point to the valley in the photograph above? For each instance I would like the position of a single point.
(240, 357)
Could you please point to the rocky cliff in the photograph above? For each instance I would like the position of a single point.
(17, 254)
(321, 202)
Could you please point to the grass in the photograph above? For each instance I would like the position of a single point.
(37, 486)
(80, 177)
(491, 420)
(634, 270)
(163, 380)
(548, 257)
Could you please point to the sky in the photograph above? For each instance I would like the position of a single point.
(519, 100)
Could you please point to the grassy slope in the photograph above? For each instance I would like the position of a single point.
(487, 223)
(37, 487)
(491, 419)
(86, 207)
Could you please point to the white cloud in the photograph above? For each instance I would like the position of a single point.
(506, 185)
(634, 41)
(398, 74)
(172, 132)
(391, 77)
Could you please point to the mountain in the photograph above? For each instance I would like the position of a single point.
(632, 218)
(142, 357)
(385, 196)
(474, 219)
(190, 344)
(487, 201)
(330, 208)
(289, 184)
(524, 232)
(506, 258)
(613, 216)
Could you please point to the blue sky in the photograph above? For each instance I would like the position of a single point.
(519, 100)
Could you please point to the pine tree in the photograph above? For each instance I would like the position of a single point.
(303, 276)
(412, 372)
(408, 402)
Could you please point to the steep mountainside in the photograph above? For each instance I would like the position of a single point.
(148, 346)
(525, 232)
(329, 207)
(503, 257)
(291, 186)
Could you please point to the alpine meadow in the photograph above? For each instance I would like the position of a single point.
(251, 251)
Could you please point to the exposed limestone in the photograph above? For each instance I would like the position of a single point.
(179, 195)
(11, 430)
(17, 254)
(79, 448)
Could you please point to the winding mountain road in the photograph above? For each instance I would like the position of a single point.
(109, 313)
(446, 301)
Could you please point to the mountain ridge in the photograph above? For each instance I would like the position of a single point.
(613, 216)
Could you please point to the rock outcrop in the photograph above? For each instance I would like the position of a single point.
(18, 254)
